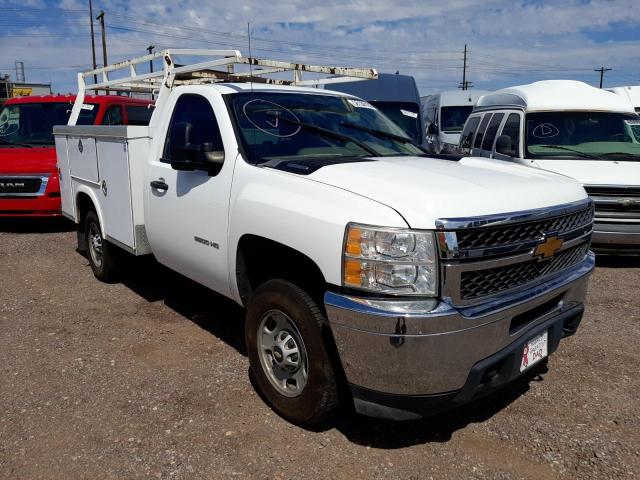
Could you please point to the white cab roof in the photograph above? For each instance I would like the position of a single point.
(553, 95)
(632, 93)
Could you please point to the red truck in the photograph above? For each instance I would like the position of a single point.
(29, 183)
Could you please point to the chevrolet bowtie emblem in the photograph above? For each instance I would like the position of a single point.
(627, 202)
(548, 247)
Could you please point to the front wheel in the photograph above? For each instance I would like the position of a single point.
(101, 254)
(287, 353)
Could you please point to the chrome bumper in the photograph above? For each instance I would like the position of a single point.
(616, 234)
(427, 349)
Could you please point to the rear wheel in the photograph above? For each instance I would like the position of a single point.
(287, 353)
(101, 254)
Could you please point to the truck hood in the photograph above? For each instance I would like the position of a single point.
(38, 159)
(423, 190)
(595, 172)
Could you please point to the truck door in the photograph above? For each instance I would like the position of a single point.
(186, 212)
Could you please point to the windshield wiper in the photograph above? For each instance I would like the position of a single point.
(580, 153)
(327, 133)
(4, 142)
(626, 154)
(382, 134)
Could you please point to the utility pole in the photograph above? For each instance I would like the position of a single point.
(104, 43)
(465, 84)
(464, 69)
(150, 50)
(601, 70)
(104, 39)
(93, 41)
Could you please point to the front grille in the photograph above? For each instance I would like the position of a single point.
(475, 238)
(480, 283)
(613, 191)
(14, 185)
(612, 201)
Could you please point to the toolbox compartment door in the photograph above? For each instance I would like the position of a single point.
(115, 191)
(66, 191)
(83, 162)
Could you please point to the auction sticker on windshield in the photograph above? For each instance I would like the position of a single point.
(360, 104)
(534, 351)
(407, 113)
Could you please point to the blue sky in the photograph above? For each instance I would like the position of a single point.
(510, 41)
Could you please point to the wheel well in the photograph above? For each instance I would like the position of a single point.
(84, 206)
(260, 259)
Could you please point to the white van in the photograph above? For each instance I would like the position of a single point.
(444, 115)
(631, 93)
(574, 129)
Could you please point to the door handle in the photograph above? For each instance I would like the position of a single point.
(159, 185)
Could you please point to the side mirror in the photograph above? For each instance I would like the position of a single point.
(432, 129)
(206, 158)
(504, 146)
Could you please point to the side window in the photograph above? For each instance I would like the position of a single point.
(483, 125)
(113, 116)
(512, 130)
(193, 134)
(138, 114)
(466, 138)
(492, 129)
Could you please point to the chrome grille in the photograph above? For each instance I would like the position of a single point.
(11, 185)
(488, 256)
(523, 232)
(480, 283)
(22, 186)
(616, 202)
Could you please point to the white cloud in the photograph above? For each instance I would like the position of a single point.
(509, 41)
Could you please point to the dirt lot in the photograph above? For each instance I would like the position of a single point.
(149, 379)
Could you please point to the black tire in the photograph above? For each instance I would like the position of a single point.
(318, 399)
(104, 264)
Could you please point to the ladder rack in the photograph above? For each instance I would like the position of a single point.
(212, 66)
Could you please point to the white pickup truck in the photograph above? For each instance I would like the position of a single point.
(415, 283)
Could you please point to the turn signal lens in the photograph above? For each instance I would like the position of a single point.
(354, 236)
(352, 273)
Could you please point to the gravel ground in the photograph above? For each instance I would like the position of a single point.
(148, 378)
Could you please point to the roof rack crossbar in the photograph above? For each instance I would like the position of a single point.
(205, 71)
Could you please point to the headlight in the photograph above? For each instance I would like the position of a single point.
(390, 260)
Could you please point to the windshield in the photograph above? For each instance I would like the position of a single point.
(280, 126)
(595, 135)
(452, 118)
(32, 123)
(405, 115)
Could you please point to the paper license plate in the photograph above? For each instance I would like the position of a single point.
(534, 351)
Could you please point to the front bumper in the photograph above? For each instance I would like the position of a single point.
(403, 364)
(616, 238)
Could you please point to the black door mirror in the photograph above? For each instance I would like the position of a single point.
(504, 146)
(197, 157)
(432, 129)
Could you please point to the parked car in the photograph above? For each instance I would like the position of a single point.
(574, 129)
(444, 114)
(28, 174)
(631, 93)
(419, 283)
(394, 95)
